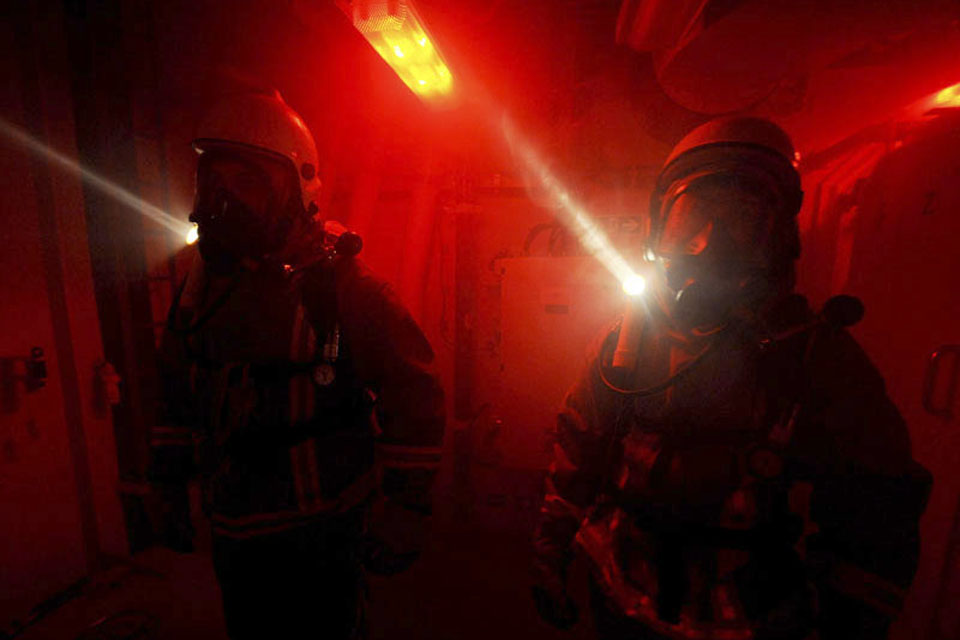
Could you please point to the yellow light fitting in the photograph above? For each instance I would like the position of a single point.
(397, 33)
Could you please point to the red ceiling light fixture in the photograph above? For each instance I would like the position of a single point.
(398, 34)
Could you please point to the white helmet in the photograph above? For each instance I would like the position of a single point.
(263, 122)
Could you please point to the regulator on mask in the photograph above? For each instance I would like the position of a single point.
(723, 228)
(719, 250)
(238, 216)
(257, 181)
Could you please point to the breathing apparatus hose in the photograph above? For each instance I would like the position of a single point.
(660, 387)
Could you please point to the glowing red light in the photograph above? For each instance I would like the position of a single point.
(396, 32)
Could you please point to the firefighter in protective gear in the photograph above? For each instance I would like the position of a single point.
(296, 384)
(748, 477)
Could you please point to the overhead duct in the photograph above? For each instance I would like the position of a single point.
(804, 64)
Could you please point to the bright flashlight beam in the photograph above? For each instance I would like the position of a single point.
(115, 191)
(577, 218)
(634, 285)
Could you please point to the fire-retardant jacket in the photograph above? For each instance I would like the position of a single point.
(296, 397)
(768, 492)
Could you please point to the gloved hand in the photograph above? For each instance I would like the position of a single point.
(553, 602)
(393, 537)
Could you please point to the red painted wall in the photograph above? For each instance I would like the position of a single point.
(58, 465)
(882, 224)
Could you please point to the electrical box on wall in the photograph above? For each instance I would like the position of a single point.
(552, 310)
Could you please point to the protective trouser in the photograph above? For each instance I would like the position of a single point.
(305, 582)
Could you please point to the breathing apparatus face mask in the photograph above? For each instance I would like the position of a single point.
(716, 246)
(243, 208)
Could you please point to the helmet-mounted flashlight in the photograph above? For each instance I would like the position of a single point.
(634, 285)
